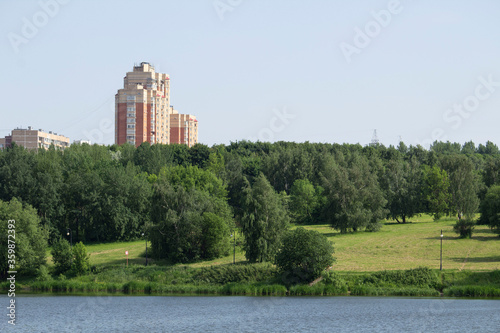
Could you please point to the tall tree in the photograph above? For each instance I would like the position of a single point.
(403, 183)
(29, 237)
(464, 185)
(490, 209)
(190, 215)
(489, 149)
(354, 199)
(305, 201)
(436, 191)
(265, 219)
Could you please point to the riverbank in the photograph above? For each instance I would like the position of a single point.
(263, 280)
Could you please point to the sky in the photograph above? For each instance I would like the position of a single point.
(268, 70)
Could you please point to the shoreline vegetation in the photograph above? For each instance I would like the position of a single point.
(366, 266)
(261, 280)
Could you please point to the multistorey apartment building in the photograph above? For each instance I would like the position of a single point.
(143, 112)
(34, 139)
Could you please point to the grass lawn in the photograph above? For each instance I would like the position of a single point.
(412, 245)
(395, 246)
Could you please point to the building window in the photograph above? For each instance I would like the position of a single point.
(130, 98)
(129, 120)
(132, 109)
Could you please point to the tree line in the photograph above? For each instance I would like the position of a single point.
(189, 201)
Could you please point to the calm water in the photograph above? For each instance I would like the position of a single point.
(249, 314)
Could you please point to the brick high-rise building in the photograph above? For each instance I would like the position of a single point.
(183, 128)
(143, 111)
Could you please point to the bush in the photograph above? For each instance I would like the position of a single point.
(235, 273)
(62, 256)
(81, 262)
(418, 277)
(333, 279)
(303, 256)
(472, 291)
(464, 228)
(42, 274)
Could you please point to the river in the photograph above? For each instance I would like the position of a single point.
(41, 313)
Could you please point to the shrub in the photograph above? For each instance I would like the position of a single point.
(62, 256)
(42, 274)
(81, 262)
(303, 256)
(418, 277)
(333, 279)
(464, 228)
(235, 273)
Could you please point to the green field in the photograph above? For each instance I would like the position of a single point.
(412, 245)
(394, 247)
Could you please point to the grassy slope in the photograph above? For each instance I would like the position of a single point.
(395, 246)
(411, 245)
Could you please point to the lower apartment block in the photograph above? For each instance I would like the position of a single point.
(34, 139)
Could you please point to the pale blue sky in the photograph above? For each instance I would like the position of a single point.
(236, 69)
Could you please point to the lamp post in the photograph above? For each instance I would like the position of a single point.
(234, 246)
(146, 249)
(441, 256)
(70, 234)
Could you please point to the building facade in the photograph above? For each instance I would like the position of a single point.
(183, 128)
(35, 139)
(143, 111)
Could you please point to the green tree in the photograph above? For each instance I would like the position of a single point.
(305, 200)
(215, 237)
(183, 230)
(62, 256)
(81, 261)
(304, 255)
(284, 165)
(403, 183)
(469, 148)
(30, 238)
(489, 149)
(16, 174)
(491, 171)
(47, 198)
(447, 147)
(215, 164)
(464, 185)
(354, 199)
(199, 155)
(436, 191)
(265, 219)
(490, 209)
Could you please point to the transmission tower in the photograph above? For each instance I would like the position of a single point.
(375, 141)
